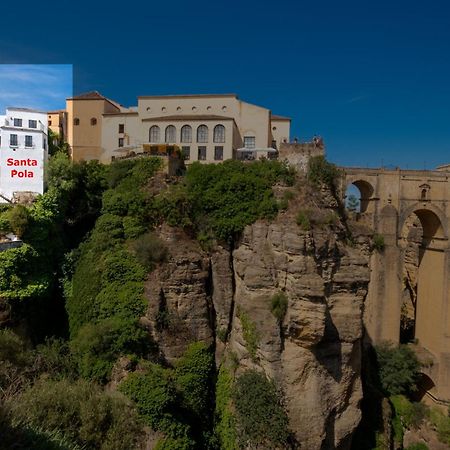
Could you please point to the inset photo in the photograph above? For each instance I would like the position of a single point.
(32, 120)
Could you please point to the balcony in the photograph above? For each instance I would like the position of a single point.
(254, 154)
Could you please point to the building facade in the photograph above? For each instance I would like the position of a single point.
(23, 152)
(57, 123)
(209, 128)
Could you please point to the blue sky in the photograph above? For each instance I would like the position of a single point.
(372, 78)
(39, 86)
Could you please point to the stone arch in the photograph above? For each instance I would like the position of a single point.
(366, 191)
(432, 218)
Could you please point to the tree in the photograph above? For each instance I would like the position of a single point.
(352, 203)
(398, 368)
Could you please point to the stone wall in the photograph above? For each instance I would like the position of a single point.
(298, 154)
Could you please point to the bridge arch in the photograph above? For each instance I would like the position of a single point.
(366, 191)
(432, 219)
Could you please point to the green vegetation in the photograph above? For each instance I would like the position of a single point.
(225, 420)
(278, 306)
(314, 217)
(378, 242)
(176, 402)
(223, 198)
(417, 446)
(250, 333)
(320, 171)
(398, 368)
(261, 420)
(303, 221)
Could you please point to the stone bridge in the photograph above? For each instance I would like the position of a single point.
(388, 201)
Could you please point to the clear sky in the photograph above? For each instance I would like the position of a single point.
(372, 78)
(39, 86)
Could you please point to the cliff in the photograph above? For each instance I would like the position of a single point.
(312, 350)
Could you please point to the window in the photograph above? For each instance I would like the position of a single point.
(76, 121)
(93, 121)
(186, 152)
(49, 124)
(218, 153)
(13, 140)
(17, 122)
(120, 142)
(186, 133)
(249, 142)
(28, 141)
(121, 128)
(202, 153)
(33, 123)
(171, 134)
(154, 133)
(202, 134)
(219, 133)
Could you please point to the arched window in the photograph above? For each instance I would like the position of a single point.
(186, 133)
(76, 121)
(423, 194)
(171, 134)
(154, 134)
(202, 134)
(219, 134)
(93, 121)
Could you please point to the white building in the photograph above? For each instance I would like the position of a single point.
(207, 128)
(23, 152)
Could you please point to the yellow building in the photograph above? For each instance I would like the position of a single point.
(209, 128)
(57, 123)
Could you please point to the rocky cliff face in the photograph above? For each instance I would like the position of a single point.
(313, 352)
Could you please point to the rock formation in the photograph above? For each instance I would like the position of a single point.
(313, 353)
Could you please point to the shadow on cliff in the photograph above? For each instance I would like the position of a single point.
(373, 422)
(329, 350)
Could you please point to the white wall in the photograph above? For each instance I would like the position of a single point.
(22, 168)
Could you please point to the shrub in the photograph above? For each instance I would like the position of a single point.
(398, 368)
(303, 221)
(98, 345)
(261, 420)
(411, 414)
(320, 171)
(225, 420)
(250, 334)
(279, 305)
(157, 401)
(417, 446)
(18, 219)
(193, 376)
(149, 250)
(81, 412)
(378, 242)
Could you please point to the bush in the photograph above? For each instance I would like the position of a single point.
(417, 446)
(225, 420)
(157, 402)
(193, 375)
(320, 171)
(279, 305)
(378, 242)
(81, 412)
(261, 420)
(398, 368)
(18, 219)
(149, 250)
(250, 334)
(303, 221)
(98, 345)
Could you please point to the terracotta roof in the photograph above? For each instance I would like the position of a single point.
(276, 117)
(95, 95)
(189, 96)
(92, 95)
(186, 117)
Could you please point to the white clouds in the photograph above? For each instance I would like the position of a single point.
(39, 86)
